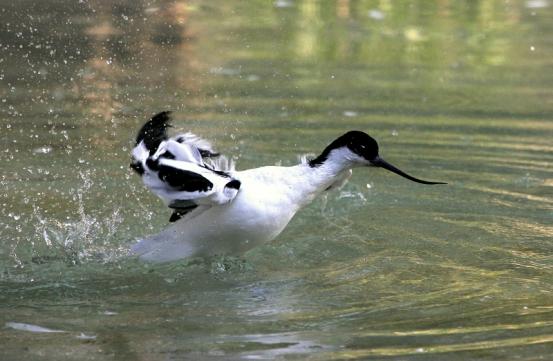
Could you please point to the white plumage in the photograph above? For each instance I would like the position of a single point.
(218, 210)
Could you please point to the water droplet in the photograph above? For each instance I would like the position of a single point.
(376, 14)
(83, 336)
(42, 150)
(537, 4)
(283, 3)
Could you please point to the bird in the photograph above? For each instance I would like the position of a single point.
(218, 210)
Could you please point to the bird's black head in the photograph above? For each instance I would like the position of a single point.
(364, 151)
(359, 143)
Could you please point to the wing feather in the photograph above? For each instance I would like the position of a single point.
(184, 170)
(184, 180)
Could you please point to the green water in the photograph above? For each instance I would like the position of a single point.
(385, 269)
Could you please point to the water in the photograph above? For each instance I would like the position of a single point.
(383, 269)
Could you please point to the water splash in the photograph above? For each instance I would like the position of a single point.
(86, 238)
(225, 264)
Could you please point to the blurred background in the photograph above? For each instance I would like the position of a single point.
(455, 91)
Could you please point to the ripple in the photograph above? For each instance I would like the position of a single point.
(441, 349)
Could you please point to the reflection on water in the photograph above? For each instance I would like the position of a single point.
(459, 91)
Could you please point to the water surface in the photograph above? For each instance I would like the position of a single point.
(382, 269)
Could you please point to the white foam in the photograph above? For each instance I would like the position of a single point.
(30, 328)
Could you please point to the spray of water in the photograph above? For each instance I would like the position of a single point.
(79, 240)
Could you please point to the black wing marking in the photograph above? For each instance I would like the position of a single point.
(182, 204)
(205, 153)
(154, 131)
(183, 180)
(218, 172)
(137, 167)
(180, 212)
(234, 184)
(186, 163)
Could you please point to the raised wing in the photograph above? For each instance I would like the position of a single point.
(184, 170)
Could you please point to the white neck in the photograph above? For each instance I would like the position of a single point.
(314, 180)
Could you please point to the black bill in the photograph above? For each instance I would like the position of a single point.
(379, 162)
